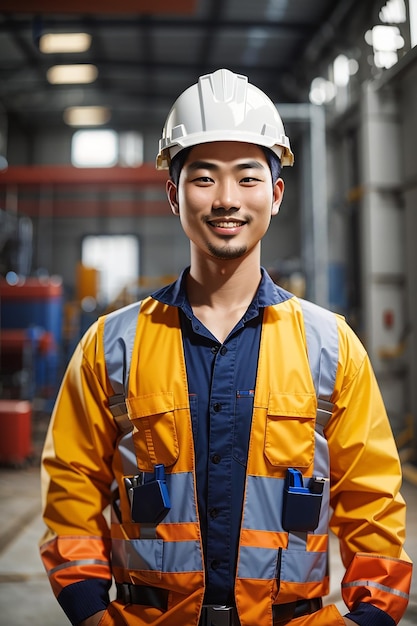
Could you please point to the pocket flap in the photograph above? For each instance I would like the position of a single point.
(154, 433)
(292, 405)
(289, 432)
(151, 404)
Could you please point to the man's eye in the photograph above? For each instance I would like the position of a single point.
(250, 179)
(203, 179)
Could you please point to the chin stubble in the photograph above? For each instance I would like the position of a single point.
(227, 252)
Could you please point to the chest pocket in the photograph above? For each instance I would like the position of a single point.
(289, 431)
(154, 429)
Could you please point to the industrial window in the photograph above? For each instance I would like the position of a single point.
(116, 257)
(106, 148)
(94, 148)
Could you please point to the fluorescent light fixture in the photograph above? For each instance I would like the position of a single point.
(66, 74)
(86, 116)
(52, 43)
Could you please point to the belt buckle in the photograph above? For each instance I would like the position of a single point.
(218, 615)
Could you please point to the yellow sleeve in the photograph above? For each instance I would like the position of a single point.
(77, 475)
(368, 511)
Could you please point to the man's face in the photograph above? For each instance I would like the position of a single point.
(225, 198)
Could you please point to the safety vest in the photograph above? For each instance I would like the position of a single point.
(295, 379)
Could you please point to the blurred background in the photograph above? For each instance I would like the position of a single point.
(85, 87)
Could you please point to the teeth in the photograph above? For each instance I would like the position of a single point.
(227, 224)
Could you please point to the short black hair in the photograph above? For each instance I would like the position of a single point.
(274, 163)
(177, 163)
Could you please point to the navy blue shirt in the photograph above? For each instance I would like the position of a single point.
(221, 383)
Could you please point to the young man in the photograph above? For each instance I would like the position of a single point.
(223, 419)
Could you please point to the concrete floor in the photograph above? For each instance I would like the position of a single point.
(25, 594)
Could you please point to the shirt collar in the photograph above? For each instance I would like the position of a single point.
(268, 294)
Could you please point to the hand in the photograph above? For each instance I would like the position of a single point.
(94, 620)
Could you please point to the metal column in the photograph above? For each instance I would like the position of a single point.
(315, 243)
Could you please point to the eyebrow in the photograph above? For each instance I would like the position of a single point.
(208, 165)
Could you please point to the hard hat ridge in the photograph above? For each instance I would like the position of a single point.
(223, 106)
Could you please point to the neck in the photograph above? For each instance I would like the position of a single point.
(217, 283)
(221, 291)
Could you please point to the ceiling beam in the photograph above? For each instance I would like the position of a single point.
(36, 175)
(100, 6)
(272, 27)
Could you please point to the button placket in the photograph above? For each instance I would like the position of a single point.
(220, 457)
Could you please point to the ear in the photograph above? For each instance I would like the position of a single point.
(171, 190)
(278, 195)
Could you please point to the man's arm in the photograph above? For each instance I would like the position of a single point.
(77, 473)
(368, 510)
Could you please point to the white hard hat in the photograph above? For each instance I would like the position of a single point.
(223, 106)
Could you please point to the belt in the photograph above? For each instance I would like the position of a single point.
(284, 613)
(142, 594)
(213, 615)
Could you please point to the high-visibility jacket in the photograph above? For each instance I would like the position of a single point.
(354, 449)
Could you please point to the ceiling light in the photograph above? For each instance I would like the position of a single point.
(66, 74)
(86, 116)
(64, 42)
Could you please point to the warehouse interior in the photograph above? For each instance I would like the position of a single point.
(85, 226)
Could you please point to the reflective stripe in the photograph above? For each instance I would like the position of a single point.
(77, 563)
(371, 583)
(258, 563)
(322, 347)
(157, 555)
(302, 567)
(322, 468)
(118, 345)
(183, 508)
(263, 503)
(73, 549)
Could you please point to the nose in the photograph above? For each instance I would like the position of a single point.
(227, 197)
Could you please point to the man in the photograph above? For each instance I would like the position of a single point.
(223, 419)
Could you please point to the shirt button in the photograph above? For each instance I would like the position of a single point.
(214, 349)
(216, 458)
(223, 350)
(215, 564)
(217, 407)
(213, 513)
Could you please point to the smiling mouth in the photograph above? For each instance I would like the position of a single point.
(226, 224)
